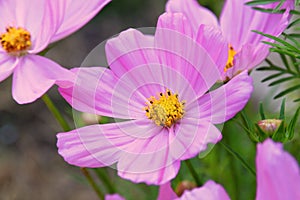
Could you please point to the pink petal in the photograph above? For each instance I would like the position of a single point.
(128, 50)
(82, 147)
(113, 197)
(223, 103)
(102, 145)
(97, 90)
(278, 175)
(209, 191)
(26, 18)
(155, 176)
(176, 22)
(148, 159)
(51, 20)
(247, 58)
(82, 93)
(166, 192)
(184, 56)
(195, 13)
(7, 65)
(7, 14)
(33, 76)
(238, 20)
(213, 41)
(191, 137)
(76, 15)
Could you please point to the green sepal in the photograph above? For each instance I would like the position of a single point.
(261, 134)
(249, 128)
(282, 110)
(261, 111)
(280, 135)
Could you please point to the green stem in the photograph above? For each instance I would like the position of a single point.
(193, 173)
(57, 115)
(103, 176)
(65, 126)
(237, 156)
(90, 179)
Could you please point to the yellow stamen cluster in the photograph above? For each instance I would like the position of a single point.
(15, 41)
(165, 110)
(231, 54)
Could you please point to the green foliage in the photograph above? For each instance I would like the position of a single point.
(287, 47)
(264, 2)
(288, 50)
(288, 72)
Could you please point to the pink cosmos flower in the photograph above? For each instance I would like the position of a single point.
(237, 21)
(158, 86)
(26, 29)
(209, 191)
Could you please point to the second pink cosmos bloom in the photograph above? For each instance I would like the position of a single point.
(237, 22)
(26, 29)
(158, 85)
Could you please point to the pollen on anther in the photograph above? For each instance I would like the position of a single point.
(165, 110)
(230, 60)
(15, 41)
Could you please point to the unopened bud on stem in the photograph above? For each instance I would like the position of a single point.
(269, 126)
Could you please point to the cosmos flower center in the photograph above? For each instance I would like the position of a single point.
(16, 41)
(231, 54)
(165, 110)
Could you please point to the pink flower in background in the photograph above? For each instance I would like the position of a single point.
(237, 21)
(158, 86)
(25, 30)
(278, 174)
(209, 191)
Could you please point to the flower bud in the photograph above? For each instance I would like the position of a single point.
(184, 185)
(269, 126)
(90, 119)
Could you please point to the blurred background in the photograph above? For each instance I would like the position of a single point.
(30, 167)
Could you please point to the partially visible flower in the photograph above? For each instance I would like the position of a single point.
(159, 86)
(209, 191)
(278, 174)
(237, 21)
(26, 29)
